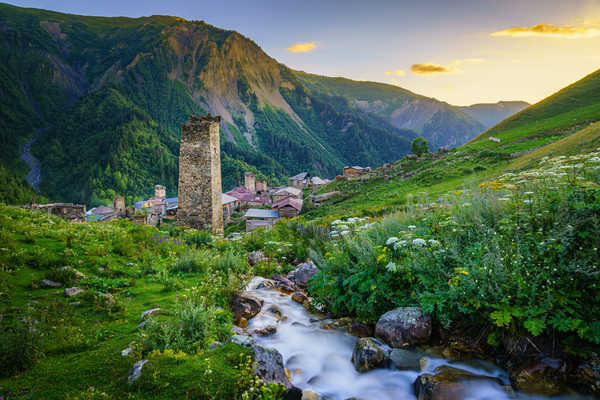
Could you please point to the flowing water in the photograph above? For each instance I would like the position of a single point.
(320, 359)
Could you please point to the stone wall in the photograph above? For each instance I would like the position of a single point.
(199, 202)
(261, 186)
(250, 181)
(73, 212)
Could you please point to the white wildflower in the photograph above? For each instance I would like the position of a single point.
(433, 242)
(399, 244)
(344, 233)
(418, 242)
(412, 227)
(391, 267)
(391, 240)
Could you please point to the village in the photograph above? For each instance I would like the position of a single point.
(255, 203)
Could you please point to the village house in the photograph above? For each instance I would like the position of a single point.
(355, 172)
(261, 186)
(73, 212)
(315, 181)
(248, 198)
(230, 205)
(286, 192)
(288, 207)
(301, 181)
(257, 218)
(321, 198)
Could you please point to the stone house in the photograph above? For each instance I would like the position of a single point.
(315, 181)
(355, 172)
(288, 207)
(257, 218)
(301, 180)
(73, 212)
(286, 192)
(230, 205)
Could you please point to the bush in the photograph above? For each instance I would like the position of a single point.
(20, 346)
(191, 261)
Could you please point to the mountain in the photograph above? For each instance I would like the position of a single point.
(561, 114)
(440, 123)
(93, 107)
(489, 114)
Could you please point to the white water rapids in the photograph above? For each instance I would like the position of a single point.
(320, 359)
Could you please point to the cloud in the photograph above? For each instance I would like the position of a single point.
(397, 72)
(429, 69)
(302, 47)
(549, 31)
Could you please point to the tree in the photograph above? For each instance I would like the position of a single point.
(419, 146)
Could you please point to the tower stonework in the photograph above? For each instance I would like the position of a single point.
(250, 181)
(199, 193)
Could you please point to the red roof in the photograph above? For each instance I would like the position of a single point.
(289, 201)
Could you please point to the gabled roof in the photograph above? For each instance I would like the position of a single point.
(315, 180)
(300, 176)
(288, 190)
(226, 199)
(253, 198)
(359, 168)
(258, 213)
(102, 210)
(296, 203)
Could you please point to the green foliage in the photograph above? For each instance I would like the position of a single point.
(419, 146)
(521, 252)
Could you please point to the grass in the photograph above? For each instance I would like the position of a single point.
(75, 351)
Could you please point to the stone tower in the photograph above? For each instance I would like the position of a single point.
(199, 195)
(250, 181)
(160, 192)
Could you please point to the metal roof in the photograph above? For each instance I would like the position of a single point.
(258, 213)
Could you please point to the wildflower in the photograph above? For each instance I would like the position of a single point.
(419, 242)
(399, 244)
(344, 233)
(433, 242)
(391, 240)
(528, 192)
(411, 227)
(391, 267)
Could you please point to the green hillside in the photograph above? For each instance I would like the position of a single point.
(562, 124)
(561, 114)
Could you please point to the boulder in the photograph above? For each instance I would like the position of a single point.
(337, 324)
(214, 345)
(360, 330)
(304, 272)
(258, 282)
(276, 312)
(126, 352)
(309, 395)
(136, 371)
(74, 272)
(149, 313)
(244, 305)
(73, 291)
(242, 322)
(282, 280)
(255, 257)
(266, 331)
(447, 383)
(546, 377)
(299, 297)
(293, 393)
(404, 326)
(367, 355)
(406, 359)
(51, 284)
(268, 361)
(267, 284)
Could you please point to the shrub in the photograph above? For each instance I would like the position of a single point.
(191, 261)
(20, 346)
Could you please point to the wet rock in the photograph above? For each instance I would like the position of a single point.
(405, 359)
(258, 282)
(293, 393)
(73, 291)
(242, 340)
(255, 257)
(244, 305)
(136, 371)
(586, 376)
(242, 322)
(447, 383)
(336, 324)
(299, 297)
(214, 345)
(148, 313)
(304, 272)
(309, 395)
(276, 311)
(51, 284)
(544, 377)
(367, 355)
(404, 326)
(360, 330)
(269, 365)
(286, 289)
(282, 280)
(268, 284)
(266, 331)
(126, 352)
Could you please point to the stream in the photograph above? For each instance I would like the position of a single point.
(320, 359)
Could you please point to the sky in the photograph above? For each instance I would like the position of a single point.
(459, 51)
